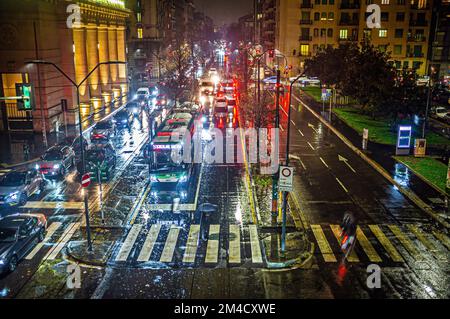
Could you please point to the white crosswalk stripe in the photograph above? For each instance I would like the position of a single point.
(373, 235)
(212, 250)
(64, 239)
(255, 246)
(150, 241)
(234, 250)
(128, 243)
(192, 244)
(169, 248)
(50, 231)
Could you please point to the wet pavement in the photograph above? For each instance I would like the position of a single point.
(158, 251)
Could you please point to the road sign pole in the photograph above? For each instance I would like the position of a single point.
(99, 177)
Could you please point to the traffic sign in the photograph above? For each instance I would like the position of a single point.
(86, 180)
(285, 181)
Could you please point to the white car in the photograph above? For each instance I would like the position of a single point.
(142, 93)
(221, 107)
(441, 112)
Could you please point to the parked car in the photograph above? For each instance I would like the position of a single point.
(134, 108)
(142, 93)
(440, 112)
(74, 142)
(103, 158)
(56, 161)
(103, 130)
(123, 119)
(19, 234)
(18, 185)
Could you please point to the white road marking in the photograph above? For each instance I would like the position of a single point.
(343, 159)
(169, 247)
(168, 207)
(293, 123)
(254, 245)
(50, 231)
(127, 245)
(326, 165)
(342, 185)
(191, 244)
(234, 250)
(54, 205)
(281, 127)
(323, 244)
(65, 237)
(212, 249)
(301, 133)
(149, 243)
(312, 147)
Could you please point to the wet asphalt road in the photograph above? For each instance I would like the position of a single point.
(148, 257)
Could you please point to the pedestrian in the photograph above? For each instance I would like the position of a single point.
(26, 152)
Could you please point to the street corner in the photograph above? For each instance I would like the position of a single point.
(298, 251)
(79, 252)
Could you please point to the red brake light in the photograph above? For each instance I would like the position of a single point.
(164, 133)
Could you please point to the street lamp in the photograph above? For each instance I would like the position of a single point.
(285, 197)
(83, 167)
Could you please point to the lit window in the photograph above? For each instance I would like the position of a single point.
(139, 31)
(343, 34)
(304, 49)
(323, 16)
(330, 16)
(138, 17)
(382, 33)
(384, 1)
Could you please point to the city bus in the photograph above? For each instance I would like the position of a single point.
(163, 168)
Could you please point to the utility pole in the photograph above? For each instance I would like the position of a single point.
(275, 175)
(259, 80)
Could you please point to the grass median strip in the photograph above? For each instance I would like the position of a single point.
(379, 129)
(428, 168)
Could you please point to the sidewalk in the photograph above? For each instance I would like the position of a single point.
(383, 155)
(12, 143)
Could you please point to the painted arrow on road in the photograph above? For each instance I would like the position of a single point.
(312, 127)
(343, 159)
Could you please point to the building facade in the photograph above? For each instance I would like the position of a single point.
(303, 27)
(48, 30)
(440, 54)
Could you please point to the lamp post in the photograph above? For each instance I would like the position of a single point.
(83, 167)
(285, 197)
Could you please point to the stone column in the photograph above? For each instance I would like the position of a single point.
(103, 54)
(79, 40)
(121, 56)
(93, 59)
(112, 46)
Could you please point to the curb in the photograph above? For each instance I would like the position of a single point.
(90, 262)
(409, 194)
(292, 263)
(421, 177)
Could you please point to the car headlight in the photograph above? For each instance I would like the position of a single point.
(183, 179)
(203, 119)
(135, 96)
(2, 261)
(56, 166)
(153, 178)
(37, 167)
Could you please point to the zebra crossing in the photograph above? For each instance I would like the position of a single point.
(382, 243)
(61, 234)
(165, 245)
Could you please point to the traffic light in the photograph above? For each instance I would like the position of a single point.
(271, 54)
(26, 91)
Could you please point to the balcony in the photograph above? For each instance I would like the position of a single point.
(349, 6)
(418, 23)
(417, 38)
(305, 38)
(306, 22)
(306, 5)
(348, 22)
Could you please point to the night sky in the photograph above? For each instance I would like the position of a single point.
(224, 11)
